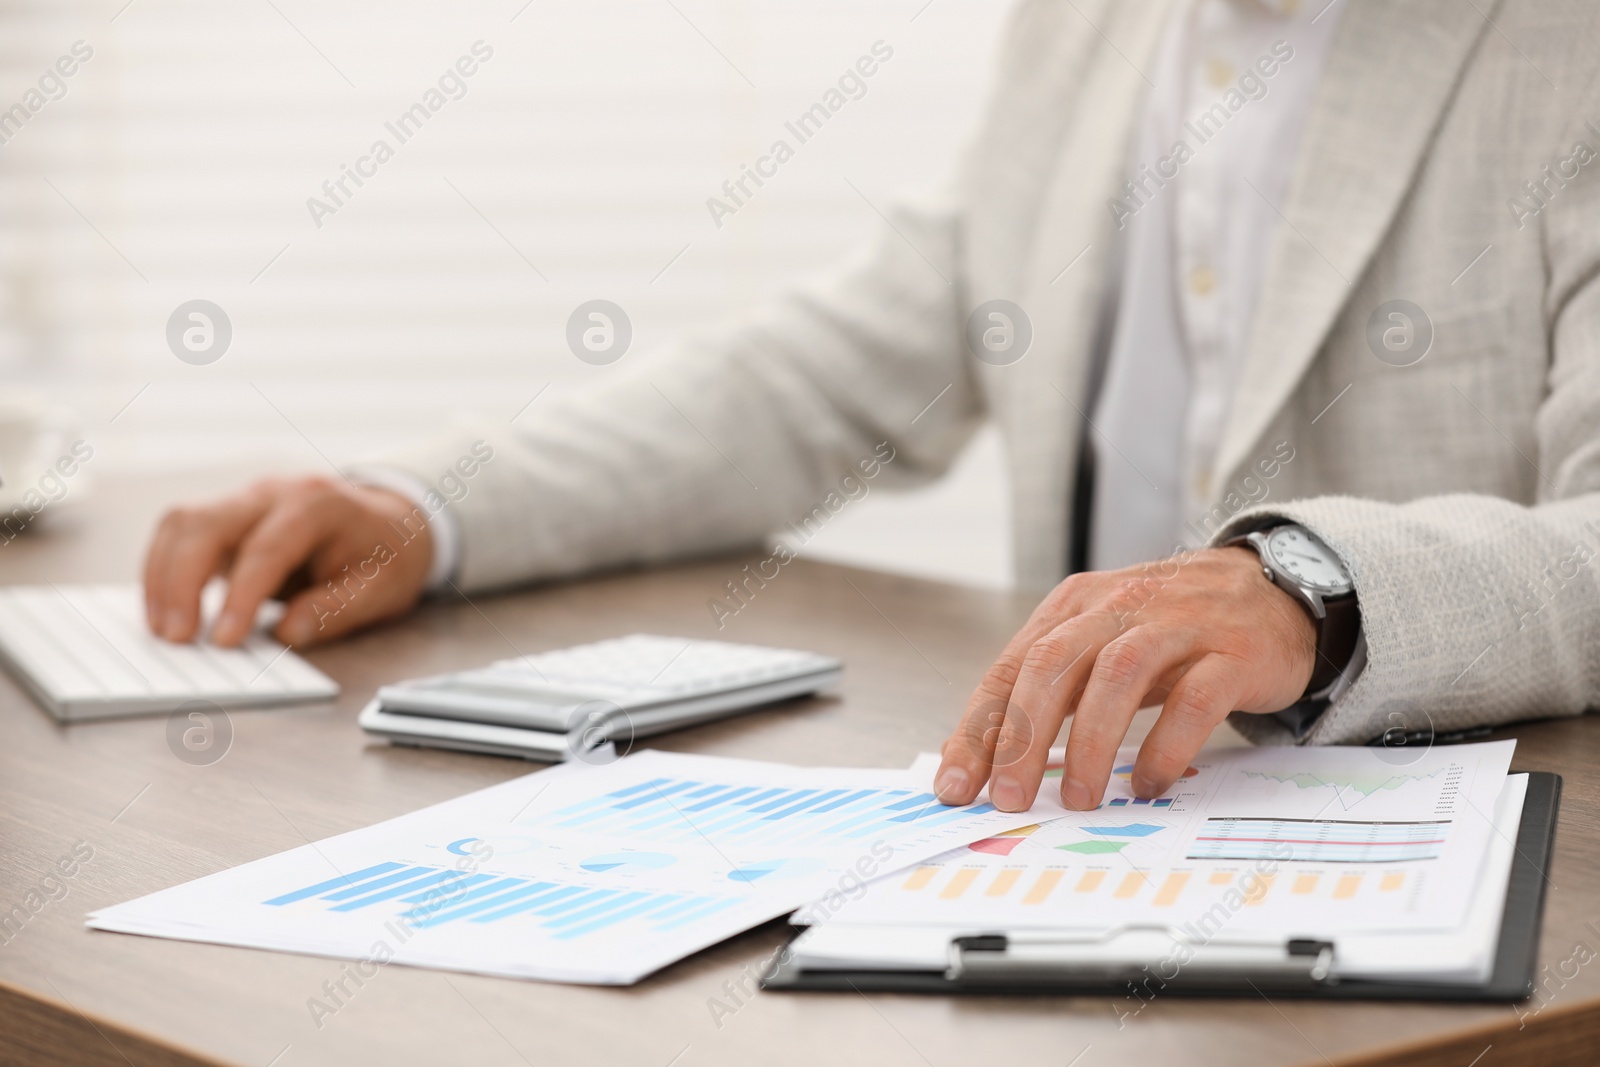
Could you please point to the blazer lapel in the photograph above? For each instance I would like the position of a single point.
(1391, 71)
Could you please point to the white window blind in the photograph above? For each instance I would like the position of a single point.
(573, 162)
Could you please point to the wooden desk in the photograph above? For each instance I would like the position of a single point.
(914, 649)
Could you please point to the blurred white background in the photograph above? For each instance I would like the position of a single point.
(577, 165)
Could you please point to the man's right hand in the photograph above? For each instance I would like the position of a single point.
(289, 538)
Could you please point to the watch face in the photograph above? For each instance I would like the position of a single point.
(1310, 561)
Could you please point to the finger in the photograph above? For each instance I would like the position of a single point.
(1124, 673)
(1199, 700)
(1052, 675)
(155, 567)
(190, 547)
(969, 751)
(272, 550)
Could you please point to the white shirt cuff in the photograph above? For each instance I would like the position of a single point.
(443, 525)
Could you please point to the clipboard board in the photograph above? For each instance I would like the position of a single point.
(998, 964)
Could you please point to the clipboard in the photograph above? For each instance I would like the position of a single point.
(1002, 964)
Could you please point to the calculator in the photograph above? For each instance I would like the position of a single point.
(570, 702)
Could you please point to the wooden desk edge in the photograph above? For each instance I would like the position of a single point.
(42, 1030)
(1554, 1036)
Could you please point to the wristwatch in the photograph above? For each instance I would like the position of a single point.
(1295, 560)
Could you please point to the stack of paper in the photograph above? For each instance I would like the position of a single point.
(605, 874)
(1403, 865)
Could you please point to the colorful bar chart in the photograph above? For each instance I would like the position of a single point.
(1042, 887)
(427, 896)
(667, 809)
(1160, 887)
(1318, 840)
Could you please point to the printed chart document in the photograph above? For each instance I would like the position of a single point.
(1366, 846)
(577, 874)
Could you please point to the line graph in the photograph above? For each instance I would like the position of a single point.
(1365, 786)
(1364, 782)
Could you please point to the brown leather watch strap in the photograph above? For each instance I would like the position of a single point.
(1336, 641)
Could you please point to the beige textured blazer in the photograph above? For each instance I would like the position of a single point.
(1442, 165)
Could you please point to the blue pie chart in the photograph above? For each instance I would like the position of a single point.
(495, 845)
(612, 861)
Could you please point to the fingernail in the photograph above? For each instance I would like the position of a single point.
(1006, 794)
(1076, 795)
(1146, 787)
(174, 625)
(951, 783)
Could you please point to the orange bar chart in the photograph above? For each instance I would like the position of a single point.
(1258, 889)
(958, 885)
(1171, 889)
(1021, 884)
(1002, 883)
(1048, 880)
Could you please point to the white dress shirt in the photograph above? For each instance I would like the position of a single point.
(1211, 159)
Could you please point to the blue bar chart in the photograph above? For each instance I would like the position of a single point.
(427, 896)
(667, 809)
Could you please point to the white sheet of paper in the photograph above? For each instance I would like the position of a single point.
(1334, 840)
(579, 874)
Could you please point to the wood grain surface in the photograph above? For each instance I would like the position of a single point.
(913, 651)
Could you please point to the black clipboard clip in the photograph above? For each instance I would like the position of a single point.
(1132, 954)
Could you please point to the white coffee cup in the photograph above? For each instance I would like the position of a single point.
(37, 442)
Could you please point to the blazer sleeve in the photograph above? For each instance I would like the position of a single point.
(1479, 610)
(721, 440)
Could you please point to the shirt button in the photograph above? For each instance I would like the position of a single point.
(1219, 72)
(1202, 484)
(1202, 280)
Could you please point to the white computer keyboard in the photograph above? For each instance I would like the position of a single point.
(85, 652)
(631, 685)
